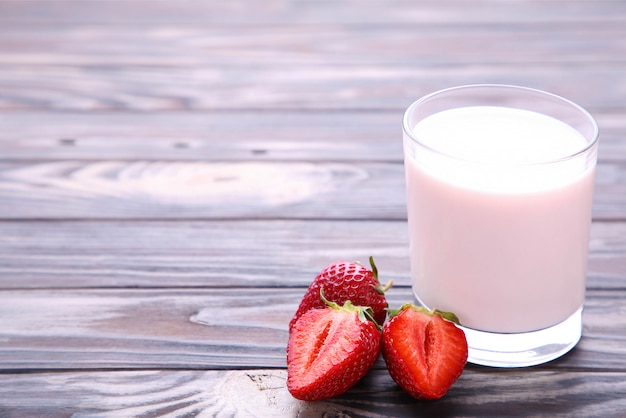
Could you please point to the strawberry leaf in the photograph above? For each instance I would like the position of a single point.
(450, 316)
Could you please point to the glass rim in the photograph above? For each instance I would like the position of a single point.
(408, 130)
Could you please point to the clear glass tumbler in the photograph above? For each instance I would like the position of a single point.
(499, 184)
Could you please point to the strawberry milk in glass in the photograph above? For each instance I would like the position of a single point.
(499, 186)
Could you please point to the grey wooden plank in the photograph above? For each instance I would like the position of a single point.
(177, 66)
(177, 190)
(324, 85)
(182, 45)
(513, 393)
(219, 253)
(241, 12)
(228, 136)
(143, 189)
(65, 56)
(206, 136)
(153, 330)
(229, 253)
(212, 329)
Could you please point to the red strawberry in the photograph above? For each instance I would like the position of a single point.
(330, 350)
(344, 281)
(424, 352)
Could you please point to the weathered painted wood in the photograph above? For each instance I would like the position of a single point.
(313, 44)
(177, 66)
(228, 136)
(220, 253)
(140, 198)
(229, 253)
(241, 12)
(164, 87)
(512, 393)
(211, 329)
(143, 189)
(176, 190)
(211, 136)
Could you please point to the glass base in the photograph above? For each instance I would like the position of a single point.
(524, 349)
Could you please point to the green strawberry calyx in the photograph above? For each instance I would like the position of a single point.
(450, 316)
(365, 313)
(379, 288)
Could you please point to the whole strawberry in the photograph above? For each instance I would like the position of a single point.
(330, 350)
(424, 352)
(342, 281)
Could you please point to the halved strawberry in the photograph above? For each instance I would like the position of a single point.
(424, 352)
(330, 350)
(342, 281)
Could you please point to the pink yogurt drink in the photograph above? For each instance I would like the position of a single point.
(499, 208)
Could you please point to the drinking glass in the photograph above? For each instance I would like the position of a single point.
(499, 183)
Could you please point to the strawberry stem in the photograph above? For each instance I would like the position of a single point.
(329, 303)
(380, 289)
(387, 286)
(374, 268)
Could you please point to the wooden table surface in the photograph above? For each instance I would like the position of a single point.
(173, 174)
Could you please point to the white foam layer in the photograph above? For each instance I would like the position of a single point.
(499, 149)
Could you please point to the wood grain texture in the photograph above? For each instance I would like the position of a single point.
(219, 394)
(149, 189)
(181, 44)
(229, 253)
(366, 136)
(206, 136)
(212, 190)
(163, 164)
(157, 63)
(212, 329)
(242, 12)
(153, 87)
